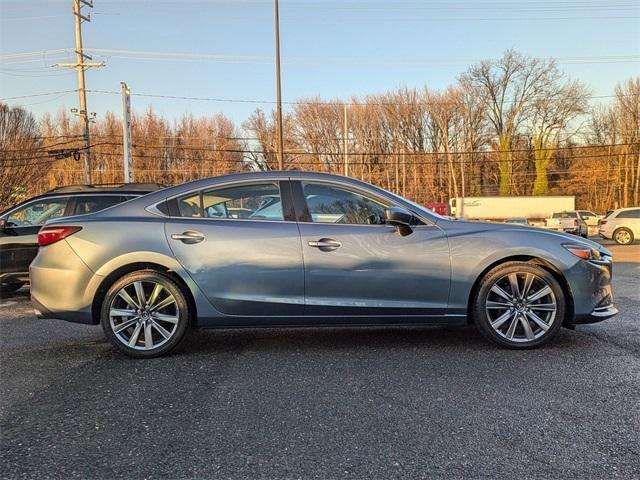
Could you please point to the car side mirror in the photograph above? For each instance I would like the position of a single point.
(401, 218)
(3, 223)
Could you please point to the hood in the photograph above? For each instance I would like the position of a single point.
(562, 237)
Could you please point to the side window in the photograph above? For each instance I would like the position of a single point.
(89, 204)
(330, 204)
(257, 201)
(629, 214)
(190, 206)
(38, 212)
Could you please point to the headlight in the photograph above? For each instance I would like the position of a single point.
(585, 252)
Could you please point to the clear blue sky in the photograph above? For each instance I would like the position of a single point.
(331, 48)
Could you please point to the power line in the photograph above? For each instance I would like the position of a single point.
(215, 148)
(320, 102)
(304, 153)
(38, 95)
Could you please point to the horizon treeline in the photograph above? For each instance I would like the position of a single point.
(511, 126)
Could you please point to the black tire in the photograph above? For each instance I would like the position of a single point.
(522, 309)
(6, 289)
(623, 236)
(180, 314)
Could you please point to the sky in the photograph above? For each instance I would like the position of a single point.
(334, 49)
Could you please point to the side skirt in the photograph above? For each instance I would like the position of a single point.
(330, 321)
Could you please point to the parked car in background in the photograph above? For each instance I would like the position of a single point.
(19, 225)
(317, 250)
(592, 220)
(568, 222)
(517, 221)
(622, 225)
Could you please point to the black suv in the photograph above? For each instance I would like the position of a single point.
(19, 225)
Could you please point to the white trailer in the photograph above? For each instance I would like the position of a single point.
(502, 208)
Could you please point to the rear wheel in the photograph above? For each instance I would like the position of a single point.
(519, 305)
(623, 236)
(145, 314)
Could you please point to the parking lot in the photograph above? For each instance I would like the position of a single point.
(331, 403)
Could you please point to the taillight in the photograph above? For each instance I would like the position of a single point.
(603, 222)
(53, 234)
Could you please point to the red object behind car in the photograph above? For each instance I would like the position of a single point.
(439, 207)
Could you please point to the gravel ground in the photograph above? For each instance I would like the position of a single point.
(323, 403)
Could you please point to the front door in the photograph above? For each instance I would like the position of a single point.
(357, 265)
(19, 238)
(236, 244)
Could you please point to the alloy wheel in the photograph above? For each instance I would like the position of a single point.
(144, 315)
(623, 237)
(521, 307)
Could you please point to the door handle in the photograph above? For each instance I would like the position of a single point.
(325, 244)
(189, 237)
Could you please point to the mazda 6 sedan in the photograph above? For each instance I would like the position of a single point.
(293, 249)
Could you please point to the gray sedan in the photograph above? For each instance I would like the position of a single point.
(308, 249)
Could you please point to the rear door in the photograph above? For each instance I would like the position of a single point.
(631, 220)
(357, 265)
(240, 244)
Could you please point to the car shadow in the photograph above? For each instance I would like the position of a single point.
(208, 341)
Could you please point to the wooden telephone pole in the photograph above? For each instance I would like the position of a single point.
(80, 67)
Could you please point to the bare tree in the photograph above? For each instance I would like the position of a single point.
(509, 85)
(551, 115)
(20, 149)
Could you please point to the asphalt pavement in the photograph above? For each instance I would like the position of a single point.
(323, 403)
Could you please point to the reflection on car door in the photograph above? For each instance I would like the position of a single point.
(362, 266)
(245, 266)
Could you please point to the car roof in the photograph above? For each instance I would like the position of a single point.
(109, 188)
(135, 207)
(251, 176)
(100, 189)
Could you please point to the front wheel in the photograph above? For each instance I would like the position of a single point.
(145, 314)
(623, 236)
(519, 305)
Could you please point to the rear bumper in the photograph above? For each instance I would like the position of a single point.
(42, 312)
(62, 286)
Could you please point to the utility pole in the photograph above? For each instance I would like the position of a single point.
(278, 90)
(80, 67)
(126, 132)
(346, 143)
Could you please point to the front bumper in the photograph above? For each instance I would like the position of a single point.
(590, 283)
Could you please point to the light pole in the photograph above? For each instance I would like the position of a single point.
(278, 90)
